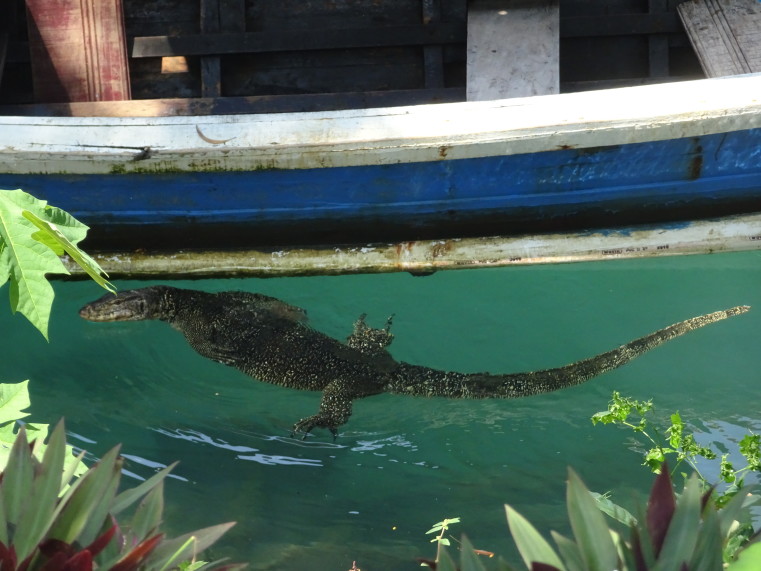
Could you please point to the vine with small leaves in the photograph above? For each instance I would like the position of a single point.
(679, 443)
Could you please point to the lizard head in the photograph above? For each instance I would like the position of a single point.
(128, 305)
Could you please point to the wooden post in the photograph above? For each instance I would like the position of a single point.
(513, 48)
(78, 50)
(218, 16)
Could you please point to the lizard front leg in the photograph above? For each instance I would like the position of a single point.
(335, 409)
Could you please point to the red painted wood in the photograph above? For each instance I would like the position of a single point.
(78, 50)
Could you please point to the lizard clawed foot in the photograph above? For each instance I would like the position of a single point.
(305, 426)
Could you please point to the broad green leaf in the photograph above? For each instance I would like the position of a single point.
(32, 235)
(14, 398)
(589, 528)
(748, 560)
(26, 260)
(51, 235)
(531, 545)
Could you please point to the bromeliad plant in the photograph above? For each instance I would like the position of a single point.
(50, 521)
(688, 533)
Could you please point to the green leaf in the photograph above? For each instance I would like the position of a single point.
(41, 502)
(92, 494)
(682, 535)
(469, 561)
(51, 235)
(148, 515)
(588, 524)
(707, 555)
(530, 543)
(130, 496)
(14, 398)
(569, 551)
(613, 510)
(32, 234)
(748, 560)
(173, 551)
(17, 478)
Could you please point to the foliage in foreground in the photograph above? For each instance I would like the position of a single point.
(685, 533)
(14, 400)
(32, 237)
(51, 521)
(676, 442)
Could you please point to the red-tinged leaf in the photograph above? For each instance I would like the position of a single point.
(535, 566)
(639, 556)
(706, 497)
(55, 563)
(51, 547)
(660, 509)
(100, 542)
(7, 557)
(135, 557)
(82, 561)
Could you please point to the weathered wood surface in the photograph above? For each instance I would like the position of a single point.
(726, 34)
(239, 105)
(513, 49)
(732, 234)
(78, 50)
(290, 40)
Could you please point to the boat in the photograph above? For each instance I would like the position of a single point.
(437, 160)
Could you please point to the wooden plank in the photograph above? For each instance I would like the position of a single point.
(433, 57)
(238, 105)
(513, 48)
(78, 50)
(211, 69)
(726, 34)
(289, 40)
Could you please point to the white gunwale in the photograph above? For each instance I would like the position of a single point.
(103, 145)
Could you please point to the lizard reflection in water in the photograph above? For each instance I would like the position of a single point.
(269, 340)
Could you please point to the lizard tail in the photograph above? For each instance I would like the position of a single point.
(423, 381)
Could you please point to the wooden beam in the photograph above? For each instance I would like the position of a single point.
(513, 48)
(289, 40)
(239, 105)
(211, 69)
(726, 35)
(78, 50)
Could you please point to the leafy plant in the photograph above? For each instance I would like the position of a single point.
(49, 521)
(443, 561)
(32, 237)
(687, 533)
(679, 443)
(14, 400)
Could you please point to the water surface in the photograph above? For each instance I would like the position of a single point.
(401, 463)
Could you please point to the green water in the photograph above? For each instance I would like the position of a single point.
(401, 463)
